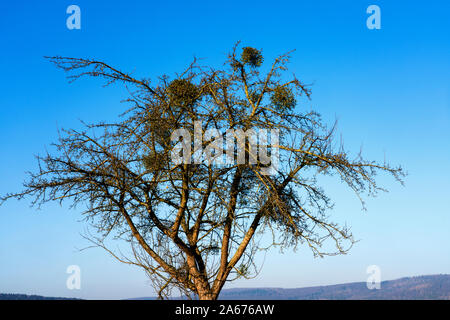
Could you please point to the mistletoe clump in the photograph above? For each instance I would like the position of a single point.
(283, 98)
(183, 93)
(252, 57)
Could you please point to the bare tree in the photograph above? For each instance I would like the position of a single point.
(195, 226)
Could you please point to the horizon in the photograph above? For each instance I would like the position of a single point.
(389, 90)
(235, 289)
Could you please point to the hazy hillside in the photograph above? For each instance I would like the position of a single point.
(435, 287)
(422, 287)
(13, 296)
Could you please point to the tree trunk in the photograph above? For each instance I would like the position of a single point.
(206, 295)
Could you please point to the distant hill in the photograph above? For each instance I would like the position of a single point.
(433, 287)
(14, 296)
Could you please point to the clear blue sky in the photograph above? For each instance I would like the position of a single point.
(388, 88)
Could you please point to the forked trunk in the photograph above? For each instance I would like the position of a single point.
(206, 295)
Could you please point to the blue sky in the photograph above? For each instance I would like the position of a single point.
(388, 88)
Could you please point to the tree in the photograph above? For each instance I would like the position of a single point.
(194, 225)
